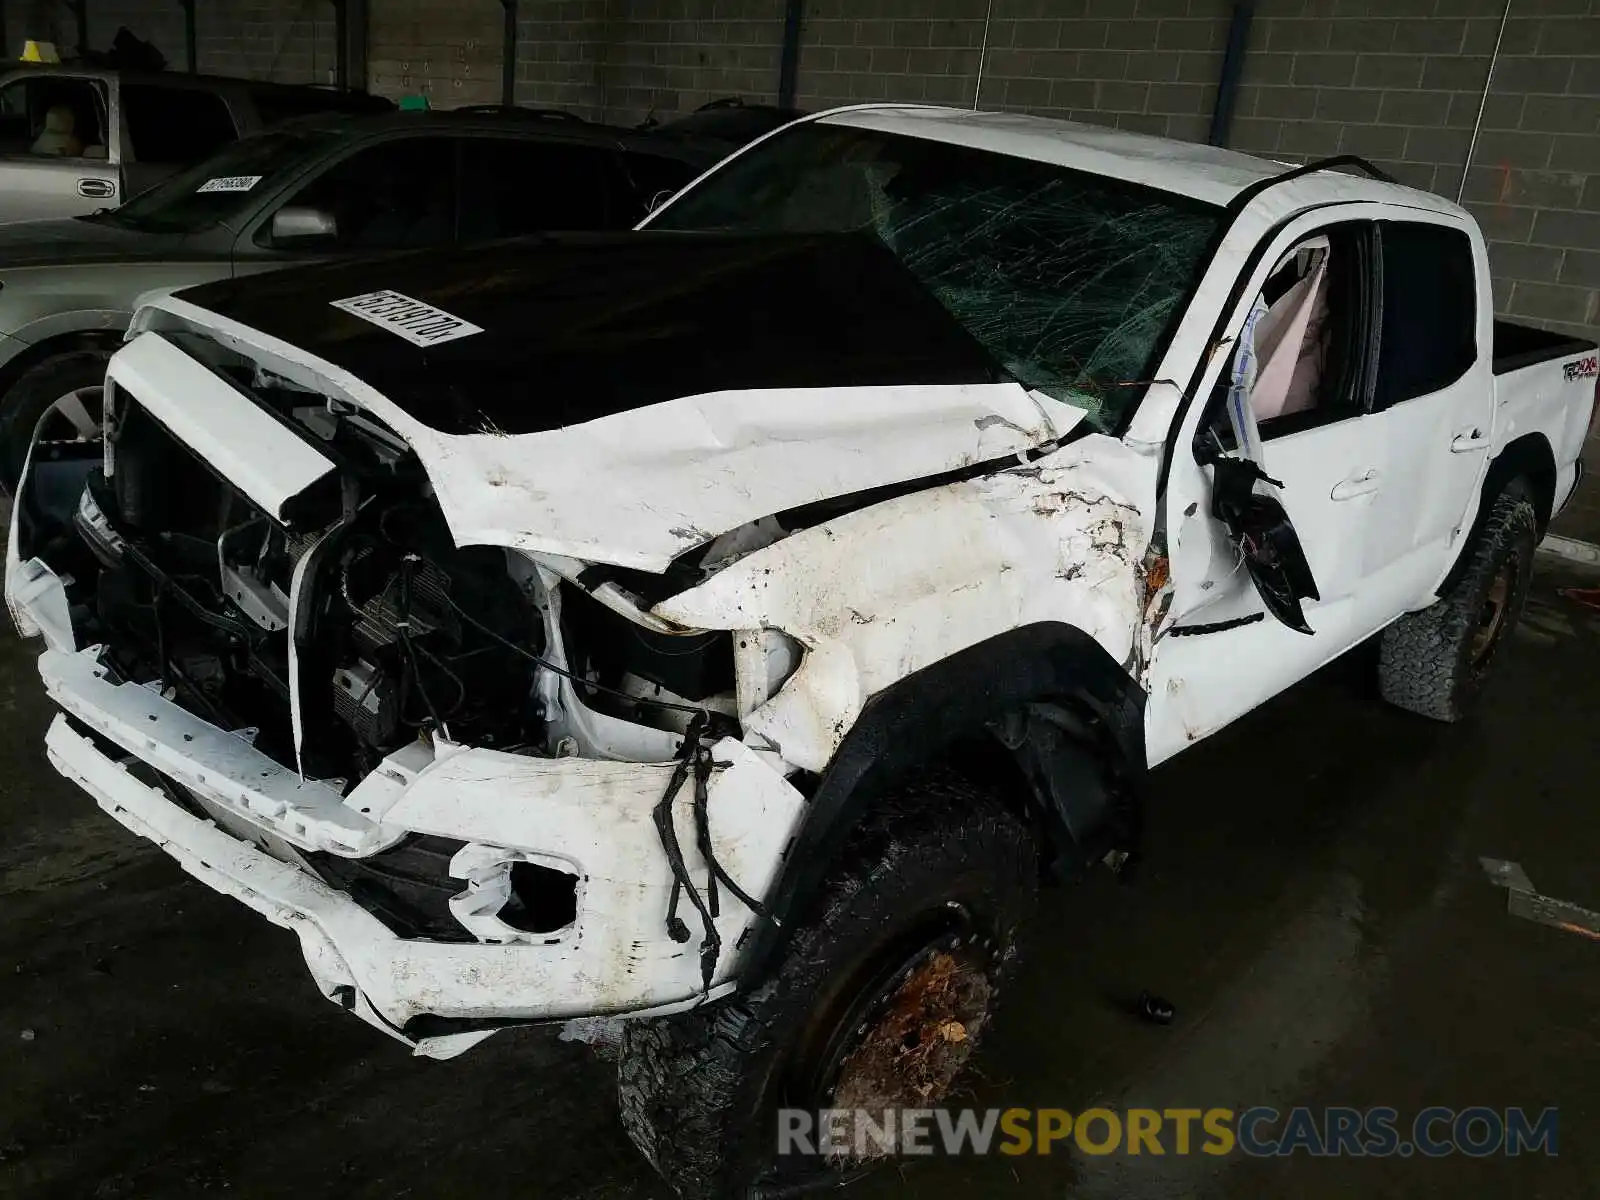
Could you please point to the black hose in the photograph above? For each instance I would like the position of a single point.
(403, 626)
(661, 816)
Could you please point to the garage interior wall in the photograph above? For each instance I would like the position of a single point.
(288, 41)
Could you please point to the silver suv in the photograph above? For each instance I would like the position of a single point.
(74, 139)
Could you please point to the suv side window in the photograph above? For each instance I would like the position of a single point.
(395, 195)
(53, 116)
(1430, 318)
(175, 126)
(513, 186)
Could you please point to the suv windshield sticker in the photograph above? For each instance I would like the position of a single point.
(229, 183)
(420, 324)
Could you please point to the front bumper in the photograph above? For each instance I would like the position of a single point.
(590, 817)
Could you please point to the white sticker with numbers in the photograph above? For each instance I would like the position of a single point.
(229, 183)
(420, 324)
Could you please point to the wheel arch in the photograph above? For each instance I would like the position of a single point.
(59, 343)
(1044, 706)
(1528, 458)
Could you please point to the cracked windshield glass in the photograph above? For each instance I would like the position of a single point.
(1070, 281)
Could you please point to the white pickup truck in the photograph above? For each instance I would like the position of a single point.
(727, 625)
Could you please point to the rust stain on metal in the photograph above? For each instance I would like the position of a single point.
(917, 1045)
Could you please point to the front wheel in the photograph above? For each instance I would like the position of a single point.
(65, 390)
(1435, 662)
(878, 1004)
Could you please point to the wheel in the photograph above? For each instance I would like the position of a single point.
(879, 1002)
(1435, 662)
(68, 387)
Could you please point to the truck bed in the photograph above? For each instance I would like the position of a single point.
(1517, 346)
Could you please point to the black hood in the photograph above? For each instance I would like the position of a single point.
(576, 327)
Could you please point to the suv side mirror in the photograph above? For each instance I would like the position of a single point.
(292, 224)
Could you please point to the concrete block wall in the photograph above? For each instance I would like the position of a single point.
(289, 41)
(452, 59)
(1401, 82)
(626, 60)
(1146, 65)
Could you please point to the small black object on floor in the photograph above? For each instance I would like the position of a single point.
(1154, 1009)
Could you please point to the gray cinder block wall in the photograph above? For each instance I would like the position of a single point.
(289, 41)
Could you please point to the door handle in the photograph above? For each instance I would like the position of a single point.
(1357, 485)
(97, 189)
(1465, 443)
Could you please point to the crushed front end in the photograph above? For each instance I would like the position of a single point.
(479, 792)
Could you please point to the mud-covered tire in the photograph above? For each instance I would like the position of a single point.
(699, 1092)
(40, 386)
(1435, 662)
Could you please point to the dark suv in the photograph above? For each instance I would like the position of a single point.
(310, 189)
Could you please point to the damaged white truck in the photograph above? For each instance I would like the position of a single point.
(728, 625)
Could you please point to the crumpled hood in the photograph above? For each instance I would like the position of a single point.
(641, 395)
(641, 488)
(72, 242)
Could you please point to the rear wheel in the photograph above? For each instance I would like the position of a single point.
(66, 390)
(879, 1003)
(1435, 662)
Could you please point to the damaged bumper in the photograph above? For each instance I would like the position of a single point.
(252, 829)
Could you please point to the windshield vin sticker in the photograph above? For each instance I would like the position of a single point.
(229, 183)
(420, 324)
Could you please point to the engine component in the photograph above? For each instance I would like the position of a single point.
(410, 634)
(364, 699)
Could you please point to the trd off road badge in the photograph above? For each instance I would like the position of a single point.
(1584, 368)
(420, 324)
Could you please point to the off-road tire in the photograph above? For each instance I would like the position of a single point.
(40, 386)
(1433, 662)
(698, 1091)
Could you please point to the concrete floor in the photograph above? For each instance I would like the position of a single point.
(1312, 903)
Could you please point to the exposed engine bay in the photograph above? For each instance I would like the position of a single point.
(361, 617)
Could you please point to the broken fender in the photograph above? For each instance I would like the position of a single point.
(885, 591)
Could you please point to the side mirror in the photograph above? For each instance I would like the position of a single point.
(292, 224)
(1261, 529)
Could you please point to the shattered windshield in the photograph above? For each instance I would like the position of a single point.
(1072, 281)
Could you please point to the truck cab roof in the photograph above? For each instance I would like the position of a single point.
(1207, 173)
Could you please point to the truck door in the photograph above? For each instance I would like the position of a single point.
(1284, 429)
(1433, 410)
